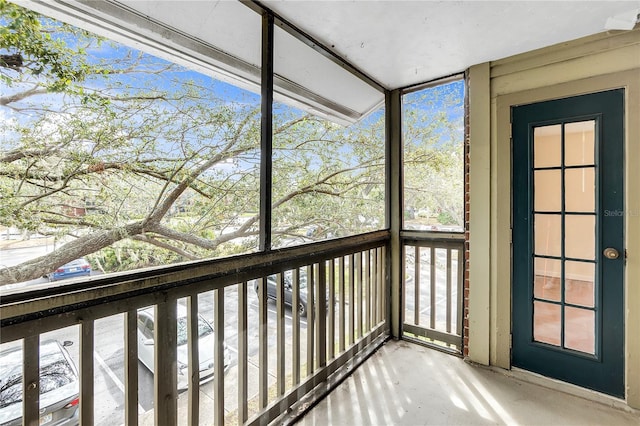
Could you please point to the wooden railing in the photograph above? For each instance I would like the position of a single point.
(432, 293)
(267, 358)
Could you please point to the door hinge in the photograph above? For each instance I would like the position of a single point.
(510, 340)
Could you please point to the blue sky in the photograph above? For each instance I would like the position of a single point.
(110, 52)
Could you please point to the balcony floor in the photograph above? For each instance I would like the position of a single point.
(407, 384)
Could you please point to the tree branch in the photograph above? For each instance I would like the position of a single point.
(70, 251)
(36, 90)
(154, 241)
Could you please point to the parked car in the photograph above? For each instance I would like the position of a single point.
(75, 268)
(59, 386)
(288, 290)
(205, 345)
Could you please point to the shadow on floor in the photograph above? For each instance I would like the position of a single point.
(407, 384)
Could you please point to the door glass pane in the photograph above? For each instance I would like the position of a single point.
(579, 142)
(547, 191)
(580, 236)
(579, 329)
(546, 323)
(547, 144)
(579, 283)
(580, 190)
(547, 279)
(548, 234)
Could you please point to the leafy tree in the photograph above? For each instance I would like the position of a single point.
(133, 161)
(433, 151)
(114, 150)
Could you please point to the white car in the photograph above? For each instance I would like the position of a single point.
(59, 385)
(205, 345)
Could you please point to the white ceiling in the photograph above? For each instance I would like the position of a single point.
(396, 43)
(403, 43)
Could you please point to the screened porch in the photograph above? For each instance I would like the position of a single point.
(305, 230)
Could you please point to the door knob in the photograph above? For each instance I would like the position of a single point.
(611, 253)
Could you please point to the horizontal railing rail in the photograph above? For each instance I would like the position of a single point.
(432, 295)
(330, 304)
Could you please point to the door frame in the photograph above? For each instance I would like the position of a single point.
(501, 208)
(602, 368)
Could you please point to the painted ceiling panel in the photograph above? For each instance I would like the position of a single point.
(297, 62)
(402, 43)
(228, 25)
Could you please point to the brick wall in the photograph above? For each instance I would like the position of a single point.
(465, 331)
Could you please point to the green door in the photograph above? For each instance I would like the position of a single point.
(568, 242)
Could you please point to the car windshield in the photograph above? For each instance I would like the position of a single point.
(55, 372)
(77, 262)
(204, 329)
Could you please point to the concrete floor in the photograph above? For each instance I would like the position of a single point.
(407, 384)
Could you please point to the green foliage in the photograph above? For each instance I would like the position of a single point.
(53, 52)
(340, 172)
(445, 218)
(130, 255)
(137, 162)
(433, 150)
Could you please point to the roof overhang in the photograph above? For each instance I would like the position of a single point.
(336, 58)
(223, 40)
